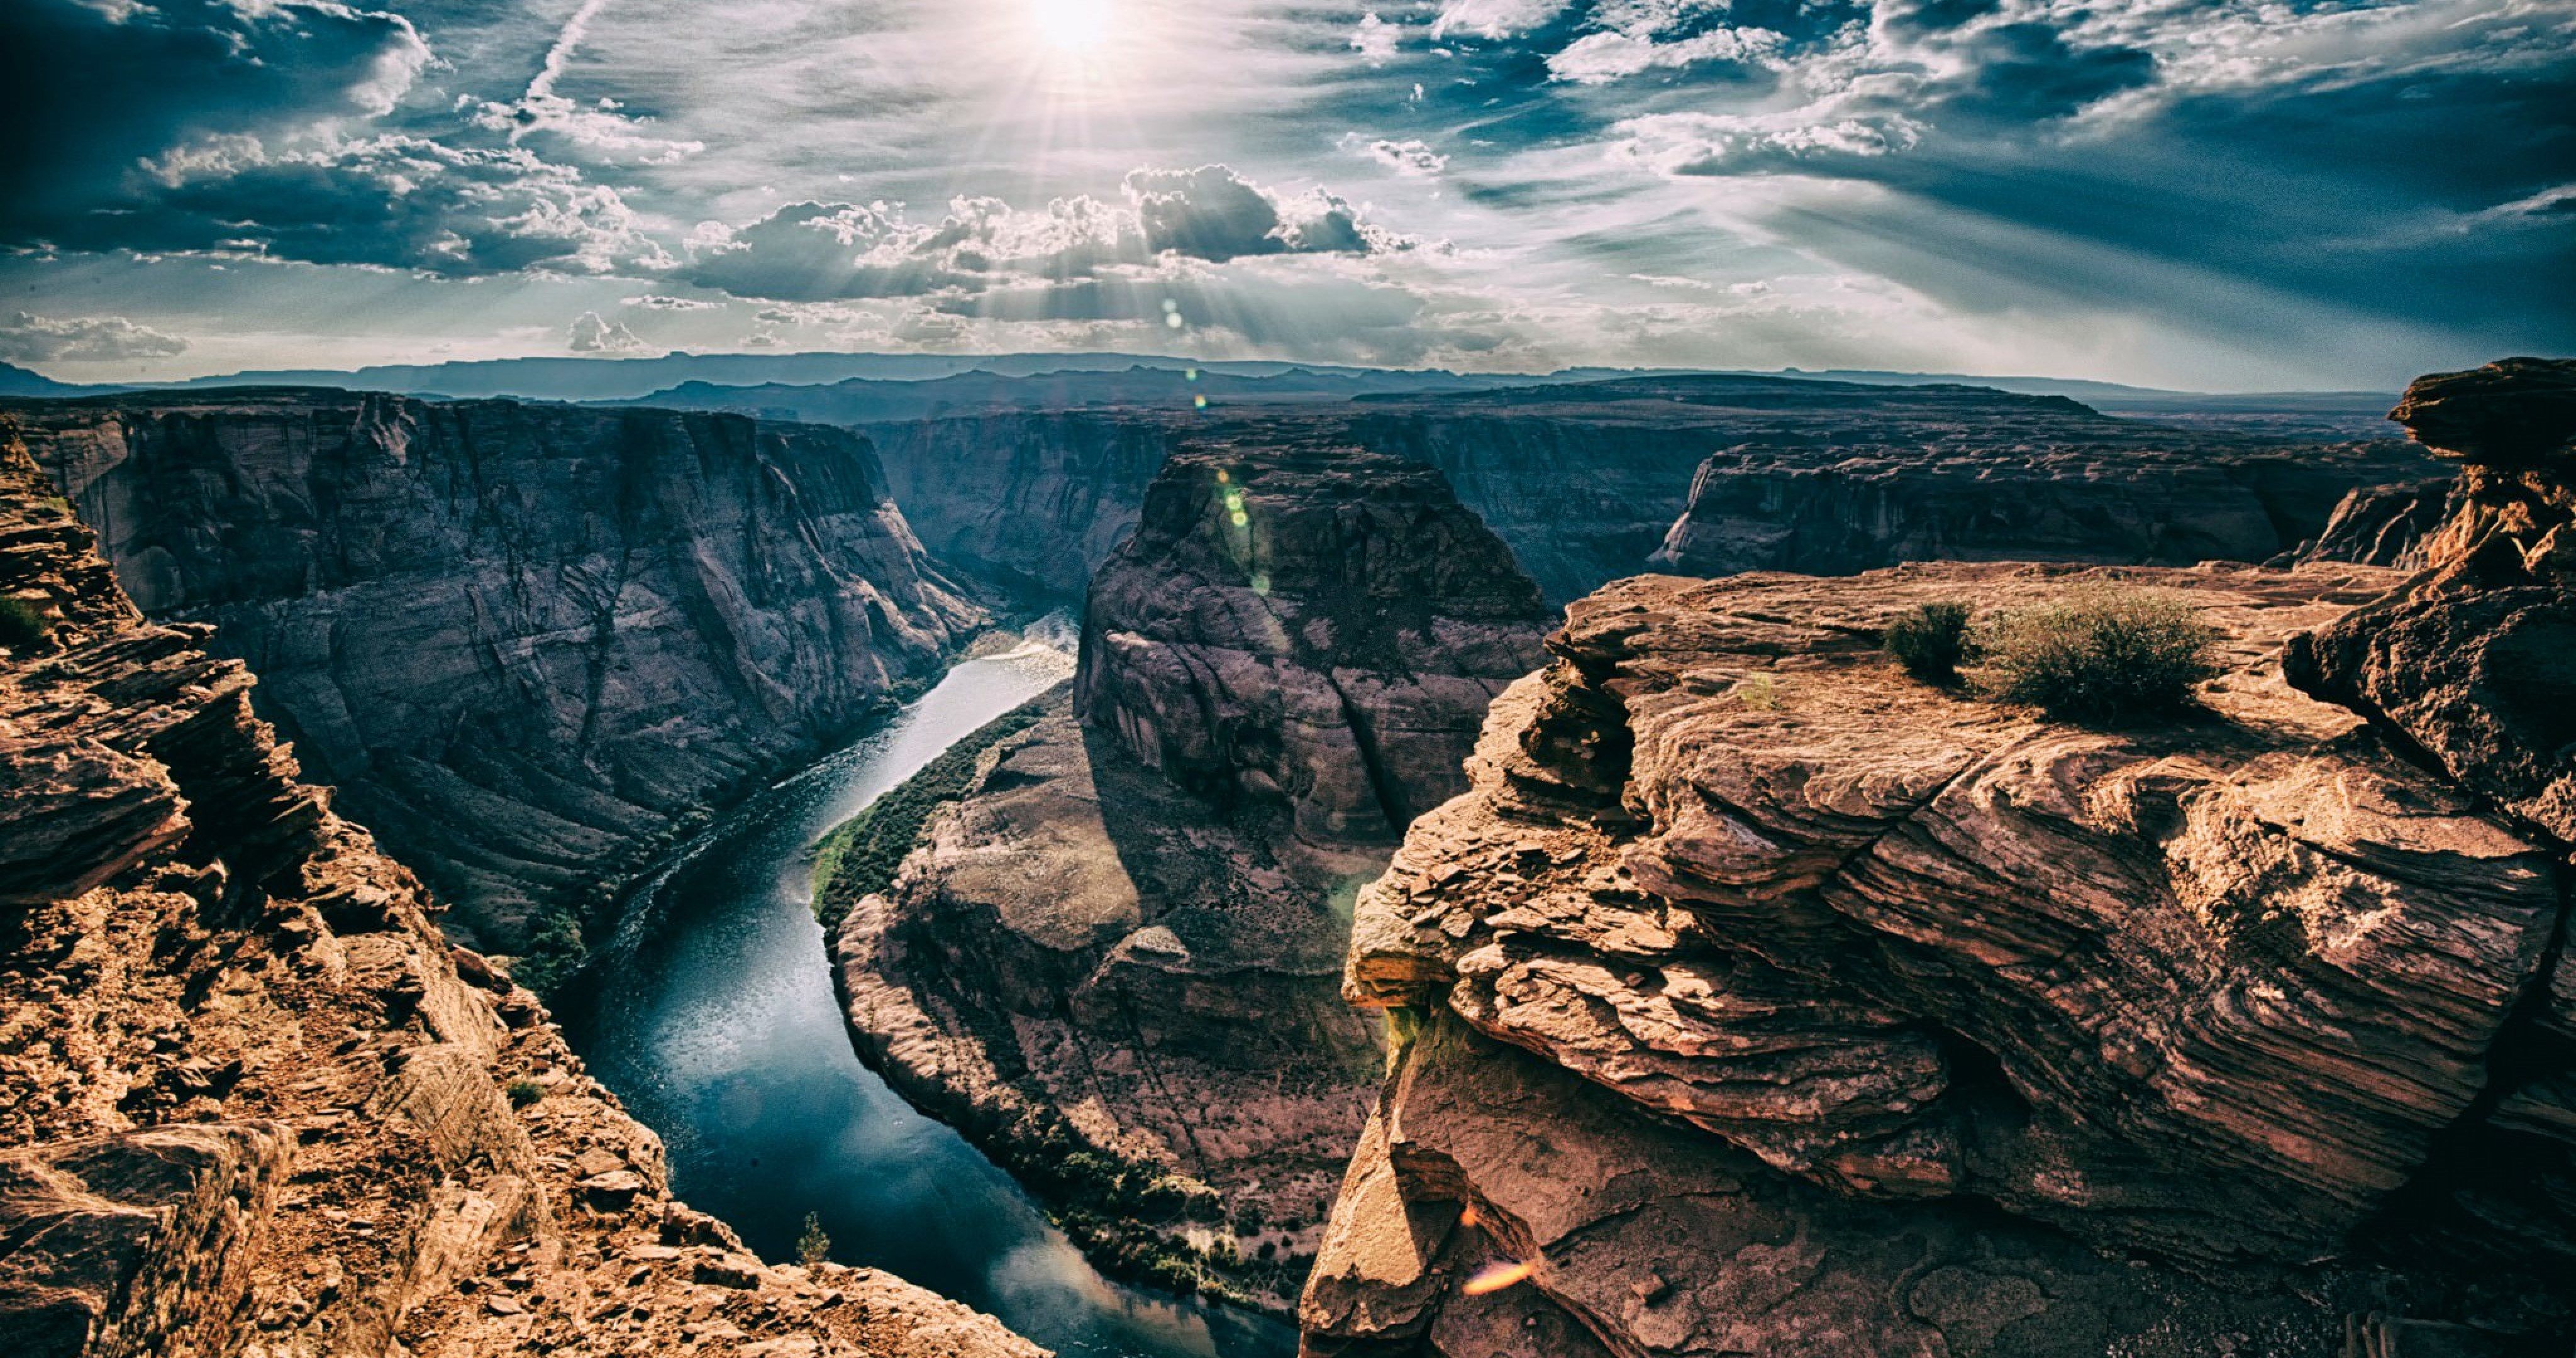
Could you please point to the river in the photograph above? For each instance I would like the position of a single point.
(712, 1015)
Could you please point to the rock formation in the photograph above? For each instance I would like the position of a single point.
(525, 642)
(1312, 627)
(2474, 663)
(1954, 474)
(1115, 959)
(1585, 481)
(1761, 999)
(251, 1099)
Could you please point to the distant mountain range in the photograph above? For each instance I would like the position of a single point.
(869, 388)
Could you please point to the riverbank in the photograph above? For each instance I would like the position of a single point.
(721, 1031)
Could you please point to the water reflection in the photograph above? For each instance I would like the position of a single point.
(712, 1016)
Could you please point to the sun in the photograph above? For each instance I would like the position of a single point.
(1071, 27)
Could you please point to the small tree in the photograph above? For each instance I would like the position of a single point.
(2101, 652)
(813, 1247)
(1932, 642)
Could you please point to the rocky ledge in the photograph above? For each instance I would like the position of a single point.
(527, 643)
(253, 1102)
(1763, 999)
(1115, 958)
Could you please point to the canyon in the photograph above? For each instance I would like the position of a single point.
(1119, 947)
(1591, 481)
(252, 1100)
(1347, 925)
(529, 645)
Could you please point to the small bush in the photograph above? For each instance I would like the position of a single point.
(23, 623)
(813, 1246)
(523, 1092)
(2101, 652)
(1759, 693)
(1932, 642)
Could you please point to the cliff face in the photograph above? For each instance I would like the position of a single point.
(1031, 504)
(1125, 938)
(1929, 474)
(1319, 628)
(1588, 481)
(523, 641)
(1753, 977)
(252, 1101)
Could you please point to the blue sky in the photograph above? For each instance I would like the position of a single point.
(2225, 194)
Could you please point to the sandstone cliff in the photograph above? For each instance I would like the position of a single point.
(525, 642)
(1115, 959)
(252, 1101)
(1586, 481)
(1316, 628)
(1952, 474)
(1761, 999)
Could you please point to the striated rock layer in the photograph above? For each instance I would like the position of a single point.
(1125, 938)
(253, 1102)
(1314, 628)
(1587, 481)
(526, 642)
(1766, 1000)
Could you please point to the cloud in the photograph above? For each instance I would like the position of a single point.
(95, 90)
(592, 335)
(660, 302)
(392, 201)
(1375, 39)
(1413, 157)
(1599, 58)
(1494, 20)
(88, 339)
(821, 251)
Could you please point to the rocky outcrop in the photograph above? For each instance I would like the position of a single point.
(1954, 474)
(1114, 960)
(527, 643)
(1753, 978)
(2381, 525)
(251, 1099)
(1313, 628)
(2470, 664)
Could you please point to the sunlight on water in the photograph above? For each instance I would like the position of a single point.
(716, 1022)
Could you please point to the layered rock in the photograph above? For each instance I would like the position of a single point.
(1585, 481)
(1314, 628)
(2474, 663)
(252, 1100)
(1953, 474)
(1124, 938)
(526, 642)
(1753, 977)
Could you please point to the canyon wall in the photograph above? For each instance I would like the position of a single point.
(1588, 481)
(1759, 998)
(1114, 960)
(526, 643)
(251, 1099)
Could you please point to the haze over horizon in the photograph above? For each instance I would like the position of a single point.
(2212, 194)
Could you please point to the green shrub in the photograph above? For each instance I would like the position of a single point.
(1760, 693)
(2102, 652)
(858, 858)
(813, 1246)
(523, 1092)
(22, 623)
(1932, 642)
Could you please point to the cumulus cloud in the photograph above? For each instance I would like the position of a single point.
(88, 339)
(817, 251)
(1375, 39)
(1494, 19)
(94, 90)
(1599, 58)
(1413, 157)
(590, 334)
(662, 302)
